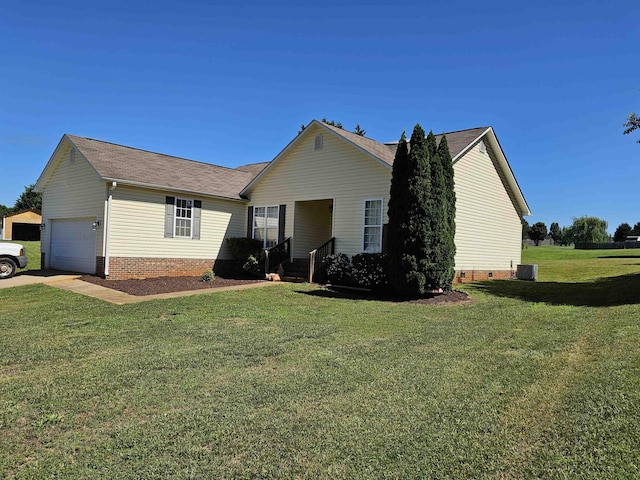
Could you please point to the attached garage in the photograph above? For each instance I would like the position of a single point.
(73, 245)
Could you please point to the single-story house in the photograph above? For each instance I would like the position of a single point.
(121, 212)
(23, 225)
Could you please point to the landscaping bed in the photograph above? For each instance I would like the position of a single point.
(152, 286)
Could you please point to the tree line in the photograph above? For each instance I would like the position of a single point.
(583, 230)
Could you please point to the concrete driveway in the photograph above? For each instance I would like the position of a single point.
(37, 276)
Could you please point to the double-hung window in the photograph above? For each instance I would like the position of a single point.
(183, 217)
(265, 225)
(372, 230)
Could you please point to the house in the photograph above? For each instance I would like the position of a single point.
(122, 212)
(23, 225)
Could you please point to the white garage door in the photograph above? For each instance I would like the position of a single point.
(73, 245)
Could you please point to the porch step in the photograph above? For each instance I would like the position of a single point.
(298, 268)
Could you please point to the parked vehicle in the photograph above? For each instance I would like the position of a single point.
(12, 257)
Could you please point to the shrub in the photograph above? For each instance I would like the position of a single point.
(241, 247)
(208, 276)
(368, 270)
(253, 266)
(338, 269)
(249, 255)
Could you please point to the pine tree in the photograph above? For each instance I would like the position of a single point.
(555, 233)
(409, 238)
(437, 215)
(449, 199)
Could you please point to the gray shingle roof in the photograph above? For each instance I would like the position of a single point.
(457, 142)
(140, 167)
(130, 165)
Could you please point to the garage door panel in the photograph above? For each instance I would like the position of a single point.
(73, 245)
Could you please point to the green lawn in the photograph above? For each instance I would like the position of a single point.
(33, 254)
(531, 380)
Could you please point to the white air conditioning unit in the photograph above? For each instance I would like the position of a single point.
(527, 272)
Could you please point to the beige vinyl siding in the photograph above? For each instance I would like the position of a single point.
(313, 222)
(74, 190)
(137, 226)
(488, 227)
(339, 171)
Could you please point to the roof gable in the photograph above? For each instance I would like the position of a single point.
(459, 143)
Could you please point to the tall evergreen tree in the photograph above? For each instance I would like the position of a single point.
(437, 215)
(449, 199)
(555, 233)
(408, 240)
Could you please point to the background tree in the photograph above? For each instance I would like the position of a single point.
(632, 123)
(409, 237)
(588, 230)
(566, 237)
(525, 229)
(636, 229)
(359, 131)
(4, 210)
(621, 232)
(28, 199)
(538, 232)
(555, 233)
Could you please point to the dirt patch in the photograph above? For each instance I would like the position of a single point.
(152, 286)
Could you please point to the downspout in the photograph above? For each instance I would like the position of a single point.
(107, 228)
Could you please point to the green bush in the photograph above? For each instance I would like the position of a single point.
(241, 247)
(369, 270)
(249, 255)
(208, 276)
(338, 269)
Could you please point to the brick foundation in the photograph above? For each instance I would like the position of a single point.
(466, 276)
(122, 268)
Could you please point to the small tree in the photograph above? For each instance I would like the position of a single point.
(555, 233)
(636, 229)
(588, 230)
(538, 232)
(28, 199)
(623, 230)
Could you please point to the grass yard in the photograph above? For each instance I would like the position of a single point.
(33, 254)
(532, 380)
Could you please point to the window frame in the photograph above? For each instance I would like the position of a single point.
(176, 218)
(379, 225)
(265, 227)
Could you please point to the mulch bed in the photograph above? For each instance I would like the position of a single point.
(152, 286)
(455, 297)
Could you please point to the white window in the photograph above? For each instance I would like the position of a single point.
(265, 225)
(183, 217)
(372, 231)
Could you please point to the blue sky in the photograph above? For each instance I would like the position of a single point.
(231, 83)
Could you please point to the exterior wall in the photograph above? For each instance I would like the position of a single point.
(488, 227)
(339, 172)
(137, 227)
(121, 268)
(74, 190)
(24, 217)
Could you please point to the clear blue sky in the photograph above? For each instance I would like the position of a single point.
(230, 83)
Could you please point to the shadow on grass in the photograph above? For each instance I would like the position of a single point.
(604, 292)
(620, 256)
